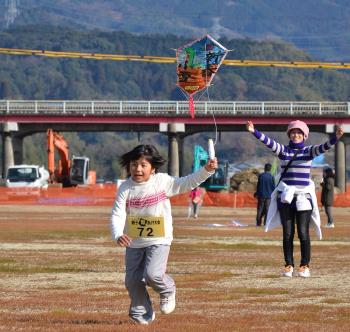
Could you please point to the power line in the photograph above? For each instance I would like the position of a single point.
(159, 59)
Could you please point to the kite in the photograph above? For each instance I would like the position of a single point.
(197, 63)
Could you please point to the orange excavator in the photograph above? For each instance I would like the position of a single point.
(68, 172)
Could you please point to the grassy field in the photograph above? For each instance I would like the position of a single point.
(59, 271)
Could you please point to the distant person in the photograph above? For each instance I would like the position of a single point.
(327, 195)
(294, 198)
(264, 189)
(196, 200)
(141, 221)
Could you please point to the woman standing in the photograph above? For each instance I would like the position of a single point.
(327, 195)
(294, 199)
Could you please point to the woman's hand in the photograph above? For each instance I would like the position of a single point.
(250, 126)
(124, 240)
(339, 133)
(211, 165)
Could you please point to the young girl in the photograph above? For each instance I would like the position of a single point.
(294, 199)
(196, 200)
(141, 221)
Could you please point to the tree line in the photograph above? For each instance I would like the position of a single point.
(40, 78)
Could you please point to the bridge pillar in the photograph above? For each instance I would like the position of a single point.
(7, 148)
(340, 177)
(173, 155)
(17, 144)
(173, 130)
(181, 155)
(346, 140)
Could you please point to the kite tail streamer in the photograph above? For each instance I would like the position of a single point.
(191, 106)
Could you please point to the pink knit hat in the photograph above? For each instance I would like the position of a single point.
(297, 124)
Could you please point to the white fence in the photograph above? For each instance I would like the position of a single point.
(173, 108)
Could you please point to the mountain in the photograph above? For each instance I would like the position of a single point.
(321, 28)
(29, 77)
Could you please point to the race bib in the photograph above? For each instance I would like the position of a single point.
(145, 226)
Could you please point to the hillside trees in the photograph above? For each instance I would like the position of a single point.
(26, 77)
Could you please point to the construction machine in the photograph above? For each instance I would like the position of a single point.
(68, 172)
(218, 181)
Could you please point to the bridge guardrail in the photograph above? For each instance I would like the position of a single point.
(172, 108)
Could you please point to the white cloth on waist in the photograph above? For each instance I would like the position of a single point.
(273, 217)
(289, 192)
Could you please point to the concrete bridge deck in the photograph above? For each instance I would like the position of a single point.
(20, 118)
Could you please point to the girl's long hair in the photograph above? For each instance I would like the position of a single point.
(147, 151)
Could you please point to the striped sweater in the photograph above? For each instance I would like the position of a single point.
(298, 173)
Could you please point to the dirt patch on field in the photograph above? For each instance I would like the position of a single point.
(59, 271)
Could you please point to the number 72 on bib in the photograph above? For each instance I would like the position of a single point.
(145, 226)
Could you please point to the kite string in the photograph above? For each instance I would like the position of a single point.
(208, 98)
(214, 120)
(206, 90)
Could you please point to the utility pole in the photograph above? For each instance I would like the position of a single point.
(11, 12)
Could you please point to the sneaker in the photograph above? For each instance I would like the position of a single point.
(167, 304)
(329, 226)
(144, 320)
(288, 271)
(304, 271)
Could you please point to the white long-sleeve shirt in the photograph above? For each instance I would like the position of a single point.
(151, 198)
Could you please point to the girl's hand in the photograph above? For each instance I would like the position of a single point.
(250, 126)
(211, 165)
(339, 133)
(124, 240)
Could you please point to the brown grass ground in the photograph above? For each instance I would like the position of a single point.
(59, 271)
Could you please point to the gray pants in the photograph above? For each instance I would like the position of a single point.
(328, 210)
(146, 267)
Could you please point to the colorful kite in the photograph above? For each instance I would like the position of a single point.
(197, 63)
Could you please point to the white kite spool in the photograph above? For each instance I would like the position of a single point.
(211, 150)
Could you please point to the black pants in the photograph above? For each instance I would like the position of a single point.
(263, 207)
(195, 208)
(290, 216)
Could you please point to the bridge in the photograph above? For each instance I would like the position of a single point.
(20, 118)
(152, 111)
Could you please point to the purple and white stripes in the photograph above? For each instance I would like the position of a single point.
(298, 173)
